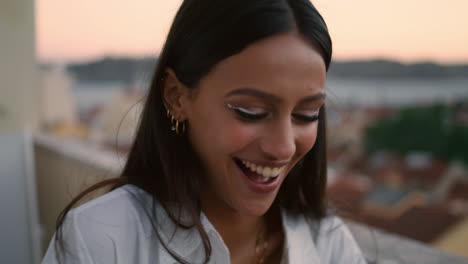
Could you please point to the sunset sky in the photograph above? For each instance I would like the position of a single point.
(407, 30)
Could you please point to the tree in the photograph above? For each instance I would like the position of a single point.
(428, 129)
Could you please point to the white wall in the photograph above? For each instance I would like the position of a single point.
(18, 99)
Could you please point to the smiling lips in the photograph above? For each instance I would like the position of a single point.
(260, 178)
(265, 171)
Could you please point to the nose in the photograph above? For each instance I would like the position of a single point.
(278, 141)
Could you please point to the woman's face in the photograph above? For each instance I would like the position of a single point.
(253, 118)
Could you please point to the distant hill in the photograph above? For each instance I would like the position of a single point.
(385, 69)
(130, 69)
(125, 70)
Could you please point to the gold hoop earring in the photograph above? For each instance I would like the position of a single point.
(180, 131)
(178, 127)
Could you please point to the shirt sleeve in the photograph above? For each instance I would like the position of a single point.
(71, 249)
(336, 244)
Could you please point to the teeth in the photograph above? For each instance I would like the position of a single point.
(253, 167)
(266, 172)
(275, 171)
(259, 170)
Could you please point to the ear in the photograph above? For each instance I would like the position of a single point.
(174, 95)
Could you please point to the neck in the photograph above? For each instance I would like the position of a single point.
(241, 232)
(236, 230)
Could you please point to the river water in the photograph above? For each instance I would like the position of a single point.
(339, 91)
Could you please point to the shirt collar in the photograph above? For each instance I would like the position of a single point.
(299, 239)
(187, 243)
(299, 246)
(182, 241)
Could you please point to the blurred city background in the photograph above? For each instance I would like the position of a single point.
(74, 74)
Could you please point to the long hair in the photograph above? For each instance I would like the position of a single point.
(203, 33)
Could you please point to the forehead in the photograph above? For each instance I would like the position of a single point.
(280, 64)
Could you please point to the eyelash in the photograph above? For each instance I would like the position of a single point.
(305, 118)
(243, 113)
(255, 117)
(250, 116)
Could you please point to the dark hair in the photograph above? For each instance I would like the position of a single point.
(205, 32)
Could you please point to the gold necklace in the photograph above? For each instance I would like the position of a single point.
(261, 246)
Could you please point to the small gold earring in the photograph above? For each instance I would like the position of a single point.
(178, 127)
(180, 131)
(169, 115)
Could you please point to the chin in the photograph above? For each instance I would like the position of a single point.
(255, 208)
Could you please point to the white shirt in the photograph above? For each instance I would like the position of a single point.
(117, 228)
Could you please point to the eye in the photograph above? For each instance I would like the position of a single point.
(246, 113)
(307, 118)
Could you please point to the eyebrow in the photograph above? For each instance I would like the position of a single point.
(271, 97)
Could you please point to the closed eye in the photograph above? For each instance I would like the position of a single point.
(247, 114)
(306, 118)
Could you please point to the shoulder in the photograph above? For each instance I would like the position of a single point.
(335, 243)
(115, 207)
(106, 228)
(125, 208)
(329, 239)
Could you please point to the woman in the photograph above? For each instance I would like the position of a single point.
(228, 164)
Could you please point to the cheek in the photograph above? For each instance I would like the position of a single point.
(306, 139)
(236, 135)
(220, 137)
